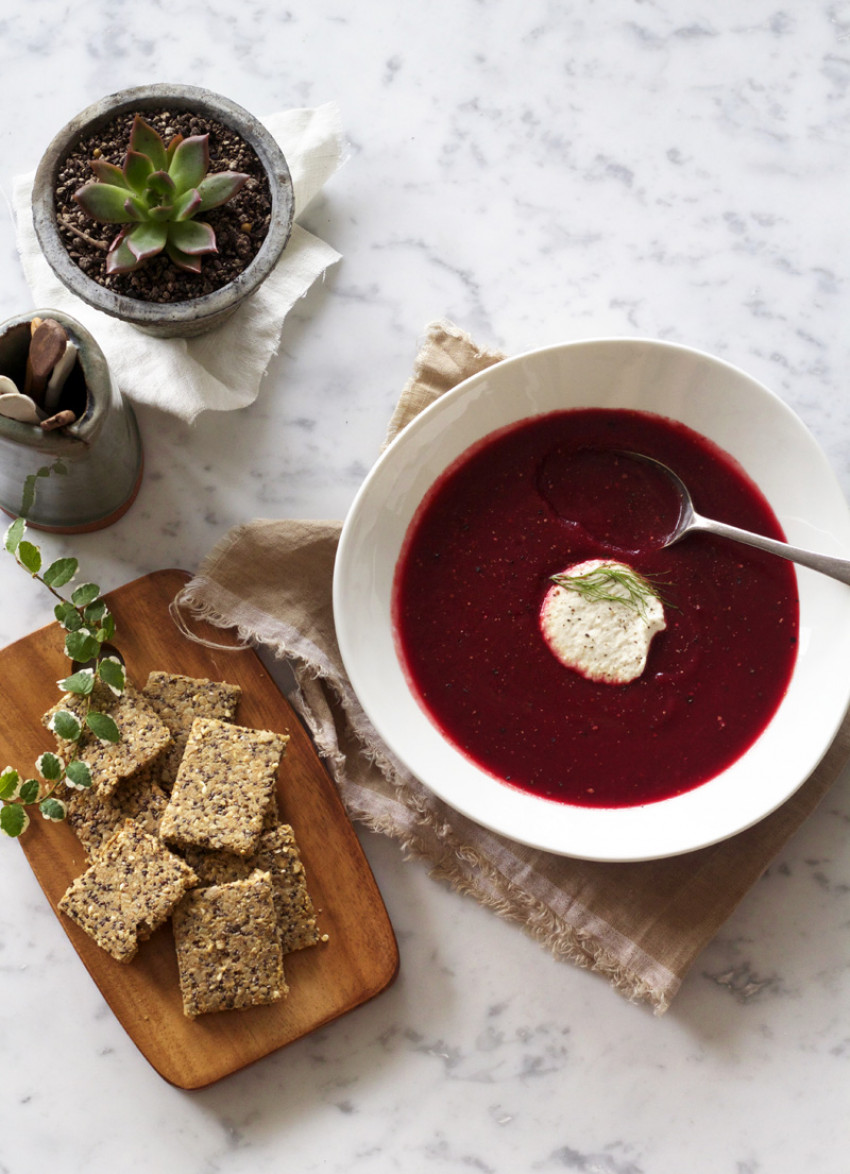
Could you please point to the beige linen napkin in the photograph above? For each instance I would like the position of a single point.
(642, 925)
(221, 370)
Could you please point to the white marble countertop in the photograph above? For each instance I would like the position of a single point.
(537, 172)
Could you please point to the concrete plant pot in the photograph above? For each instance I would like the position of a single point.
(179, 318)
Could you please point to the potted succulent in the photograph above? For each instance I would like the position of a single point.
(164, 206)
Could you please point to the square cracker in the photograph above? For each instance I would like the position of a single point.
(128, 892)
(277, 854)
(143, 736)
(228, 953)
(95, 817)
(177, 701)
(223, 788)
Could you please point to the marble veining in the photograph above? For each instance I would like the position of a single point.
(539, 172)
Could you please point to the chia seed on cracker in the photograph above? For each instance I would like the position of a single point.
(130, 890)
(223, 788)
(177, 701)
(228, 953)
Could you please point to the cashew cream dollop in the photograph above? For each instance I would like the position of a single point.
(605, 640)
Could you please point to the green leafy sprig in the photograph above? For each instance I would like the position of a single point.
(89, 627)
(612, 583)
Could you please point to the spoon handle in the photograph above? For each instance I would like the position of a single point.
(836, 568)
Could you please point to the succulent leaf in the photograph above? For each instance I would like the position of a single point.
(186, 206)
(120, 258)
(172, 147)
(194, 237)
(190, 162)
(108, 173)
(183, 260)
(104, 201)
(135, 209)
(145, 140)
(160, 187)
(219, 187)
(146, 240)
(137, 169)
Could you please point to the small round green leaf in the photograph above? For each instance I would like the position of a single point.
(61, 572)
(13, 819)
(29, 556)
(9, 780)
(103, 727)
(50, 766)
(112, 674)
(81, 645)
(68, 616)
(81, 682)
(66, 725)
(53, 809)
(78, 775)
(14, 535)
(30, 790)
(95, 612)
(85, 594)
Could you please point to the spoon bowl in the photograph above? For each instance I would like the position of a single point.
(689, 520)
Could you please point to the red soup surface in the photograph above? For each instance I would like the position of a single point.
(531, 500)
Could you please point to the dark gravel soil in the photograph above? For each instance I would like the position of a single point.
(240, 225)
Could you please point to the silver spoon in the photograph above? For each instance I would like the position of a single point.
(689, 519)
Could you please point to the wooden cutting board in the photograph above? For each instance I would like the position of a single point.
(360, 958)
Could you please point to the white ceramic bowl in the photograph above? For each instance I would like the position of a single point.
(723, 404)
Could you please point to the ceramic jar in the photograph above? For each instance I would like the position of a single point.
(100, 453)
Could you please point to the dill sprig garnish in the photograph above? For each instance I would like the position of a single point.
(597, 586)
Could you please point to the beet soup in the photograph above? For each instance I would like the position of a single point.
(552, 491)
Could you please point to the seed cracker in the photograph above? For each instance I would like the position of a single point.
(228, 954)
(143, 736)
(177, 701)
(216, 868)
(95, 817)
(278, 854)
(130, 890)
(223, 788)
